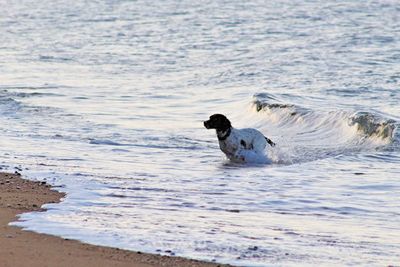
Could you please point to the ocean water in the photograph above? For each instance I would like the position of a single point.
(105, 100)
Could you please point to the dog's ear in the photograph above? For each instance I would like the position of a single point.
(226, 124)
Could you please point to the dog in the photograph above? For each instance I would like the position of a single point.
(237, 143)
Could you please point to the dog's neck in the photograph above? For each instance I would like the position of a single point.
(223, 134)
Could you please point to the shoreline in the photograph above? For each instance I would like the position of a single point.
(26, 248)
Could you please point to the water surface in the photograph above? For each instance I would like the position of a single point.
(105, 100)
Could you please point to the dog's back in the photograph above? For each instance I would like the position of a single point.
(251, 138)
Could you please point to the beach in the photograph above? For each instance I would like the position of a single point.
(24, 248)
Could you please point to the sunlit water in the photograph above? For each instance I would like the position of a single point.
(105, 100)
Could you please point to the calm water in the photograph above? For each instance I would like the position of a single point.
(105, 100)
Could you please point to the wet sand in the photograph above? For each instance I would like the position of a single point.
(25, 248)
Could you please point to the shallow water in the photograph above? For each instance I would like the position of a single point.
(106, 100)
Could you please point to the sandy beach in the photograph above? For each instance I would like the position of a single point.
(24, 248)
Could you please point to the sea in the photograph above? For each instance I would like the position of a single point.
(105, 100)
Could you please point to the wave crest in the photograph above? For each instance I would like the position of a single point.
(367, 124)
(372, 125)
(307, 134)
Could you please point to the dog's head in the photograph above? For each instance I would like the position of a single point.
(218, 122)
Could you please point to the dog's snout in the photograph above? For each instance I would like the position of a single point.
(206, 124)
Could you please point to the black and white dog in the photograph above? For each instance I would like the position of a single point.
(236, 143)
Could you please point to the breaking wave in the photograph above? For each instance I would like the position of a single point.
(305, 134)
